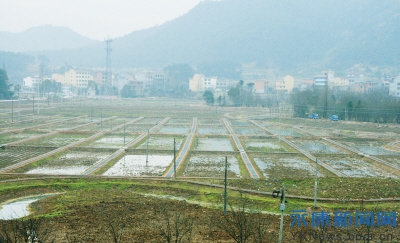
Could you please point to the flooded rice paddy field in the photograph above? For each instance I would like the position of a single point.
(214, 144)
(12, 155)
(161, 143)
(355, 166)
(395, 160)
(369, 146)
(57, 140)
(136, 165)
(20, 135)
(27, 122)
(278, 166)
(180, 121)
(285, 131)
(249, 130)
(167, 129)
(150, 120)
(211, 130)
(239, 123)
(268, 145)
(274, 158)
(111, 141)
(318, 146)
(60, 126)
(71, 163)
(212, 122)
(211, 166)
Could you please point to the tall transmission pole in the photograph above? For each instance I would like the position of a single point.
(108, 86)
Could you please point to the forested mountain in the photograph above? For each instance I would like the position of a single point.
(286, 34)
(45, 37)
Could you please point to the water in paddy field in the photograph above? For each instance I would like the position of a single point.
(376, 150)
(135, 165)
(286, 132)
(110, 142)
(358, 168)
(162, 143)
(60, 170)
(318, 147)
(248, 131)
(214, 144)
(174, 130)
(211, 166)
(212, 130)
(20, 208)
(285, 167)
(72, 163)
(264, 144)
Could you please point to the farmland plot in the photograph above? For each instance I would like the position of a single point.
(71, 163)
(285, 131)
(265, 145)
(135, 165)
(111, 141)
(211, 166)
(66, 125)
(12, 155)
(138, 128)
(15, 136)
(211, 130)
(174, 129)
(57, 140)
(150, 120)
(250, 130)
(356, 167)
(395, 160)
(241, 123)
(214, 144)
(317, 147)
(368, 146)
(212, 122)
(182, 121)
(162, 143)
(287, 166)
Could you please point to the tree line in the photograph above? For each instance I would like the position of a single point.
(376, 106)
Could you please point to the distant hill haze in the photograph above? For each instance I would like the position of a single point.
(45, 37)
(285, 34)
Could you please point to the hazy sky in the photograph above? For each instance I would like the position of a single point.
(96, 19)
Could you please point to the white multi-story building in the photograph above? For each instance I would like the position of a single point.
(78, 78)
(324, 78)
(394, 87)
(31, 82)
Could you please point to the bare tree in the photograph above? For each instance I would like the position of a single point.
(243, 226)
(173, 226)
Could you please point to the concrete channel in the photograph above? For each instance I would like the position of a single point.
(182, 155)
(121, 151)
(249, 166)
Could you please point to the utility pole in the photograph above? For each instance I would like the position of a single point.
(316, 183)
(282, 208)
(225, 183)
(108, 87)
(124, 131)
(33, 105)
(12, 109)
(19, 104)
(174, 160)
(147, 146)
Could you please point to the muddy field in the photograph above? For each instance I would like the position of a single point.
(269, 153)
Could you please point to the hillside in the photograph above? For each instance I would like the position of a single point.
(45, 37)
(287, 35)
